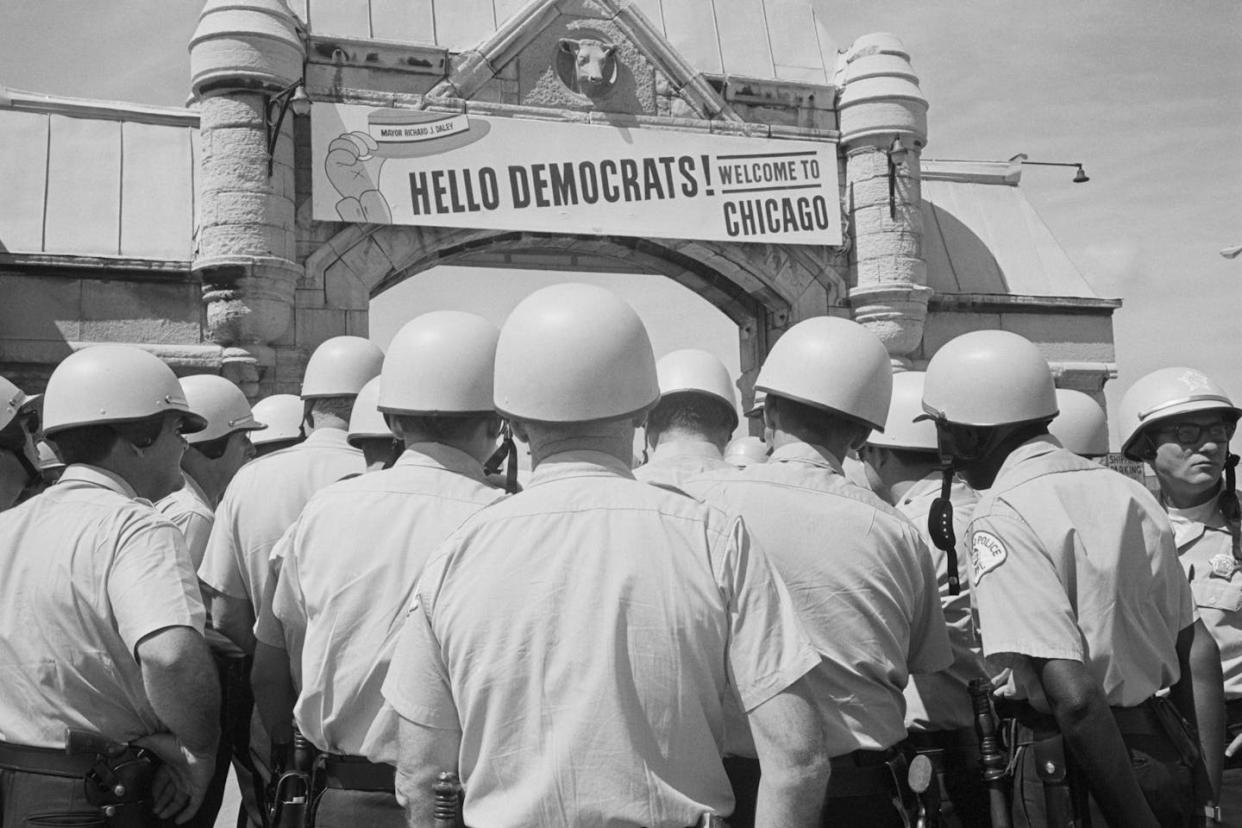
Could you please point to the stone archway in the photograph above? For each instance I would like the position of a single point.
(762, 288)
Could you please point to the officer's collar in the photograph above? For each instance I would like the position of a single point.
(1037, 446)
(672, 449)
(440, 456)
(1207, 513)
(328, 437)
(191, 485)
(95, 476)
(807, 454)
(579, 463)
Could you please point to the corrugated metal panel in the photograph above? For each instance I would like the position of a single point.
(744, 43)
(23, 178)
(157, 193)
(987, 238)
(461, 24)
(690, 26)
(795, 44)
(406, 21)
(84, 187)
(345, 18)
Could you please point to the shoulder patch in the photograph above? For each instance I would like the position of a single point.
(986, 553)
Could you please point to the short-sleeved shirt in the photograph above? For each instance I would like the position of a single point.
(860, 578)
(941, 700)
(1205, 549)
(673, 462)
(261, 502)
(1070, 560)
(582, 636)
(346, 582)
(189, 510)
(90, 570)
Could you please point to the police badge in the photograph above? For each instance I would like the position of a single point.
(1224, 565)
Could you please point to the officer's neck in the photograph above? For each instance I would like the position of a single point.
(207, 474)
(612, 437)
(911, 474)
(837, 444)
(1182, 495)
(684, 435)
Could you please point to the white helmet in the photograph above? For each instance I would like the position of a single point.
(574, 353)
(365, 420)
(746, 451)
(282, 414)
(221, 403)
(440, 363)
(691, 370)
(113, 384)
(1166, 393)
(1082, 426)
(834, 364)
(906, 427)
(989, 378)
(12, 401)
(340, 367)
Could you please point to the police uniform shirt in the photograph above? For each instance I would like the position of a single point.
(673, 462)
(350, 564)
(1070, 560)
(581, 636)
(1205, 549)
(261, 502)
(941, 701)
(860, 578)
(190, 512)
(90, 570)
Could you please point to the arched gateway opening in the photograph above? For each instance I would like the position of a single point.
(757, 293)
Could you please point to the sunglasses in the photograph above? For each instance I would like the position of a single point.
(1191, 433)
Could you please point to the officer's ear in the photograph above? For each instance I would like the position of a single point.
(1146, 447)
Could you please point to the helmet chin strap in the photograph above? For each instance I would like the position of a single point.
(940, 524)
(506, 451)
(1229, 507)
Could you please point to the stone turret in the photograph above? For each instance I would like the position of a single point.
(243, 53)
(883, 122)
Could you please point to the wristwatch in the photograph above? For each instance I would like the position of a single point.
(1212, 811)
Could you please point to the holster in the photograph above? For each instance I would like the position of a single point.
(119, 784)
(929, 798)
(291, 802)
(1053, 772)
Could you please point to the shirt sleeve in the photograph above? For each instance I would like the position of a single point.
(929, 637)
(768, 648)
(282, 618)
(1023, 606)
(151, 584)
(221, 566)
(197, 531)
(417, 685)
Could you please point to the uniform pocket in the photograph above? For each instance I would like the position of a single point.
(1217, 594)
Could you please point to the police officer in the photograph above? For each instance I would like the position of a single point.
(688, 429)
(1081, 424)
(855, 470)
(1075, 577)
(861, 579)
(214, 456)
(266, 497)
(939, 716)
(369, 431)
(1179, 421)
(19, 461)
(261, 502)
(569, 647)
(357, 550)
(282, 414)
(743, 451)
(100, 617)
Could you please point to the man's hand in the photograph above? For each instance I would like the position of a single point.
(181, 781)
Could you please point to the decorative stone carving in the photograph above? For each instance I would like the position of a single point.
(587, 66)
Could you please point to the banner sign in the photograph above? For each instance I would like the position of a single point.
(401, 166)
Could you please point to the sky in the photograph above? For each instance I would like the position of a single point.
(1147, 94)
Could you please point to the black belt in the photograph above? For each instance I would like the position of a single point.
(1140, 720)
(863, 773)
(357, 773)
(960, 747)
(46, 761)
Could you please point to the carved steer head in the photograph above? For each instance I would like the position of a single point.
(595, 64)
